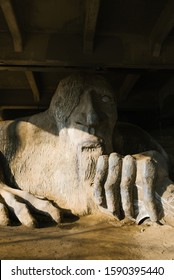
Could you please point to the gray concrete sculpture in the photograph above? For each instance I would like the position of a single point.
(66, 155)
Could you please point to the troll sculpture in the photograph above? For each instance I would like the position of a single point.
(66, 155)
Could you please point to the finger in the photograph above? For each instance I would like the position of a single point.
(20, 209)
(45, 207)
(127, 183)
(112, 185)
(4, 218)
(100, 177)
(41, 205)
(149, 172)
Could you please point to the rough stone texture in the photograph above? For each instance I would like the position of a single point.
(54, 154)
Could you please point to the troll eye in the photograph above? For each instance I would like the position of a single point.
(106, 98)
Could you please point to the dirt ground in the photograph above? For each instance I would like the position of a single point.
(88, 238)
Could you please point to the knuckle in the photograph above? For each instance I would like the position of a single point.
(102, 160)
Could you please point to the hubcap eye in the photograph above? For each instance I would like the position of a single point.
(106, 99)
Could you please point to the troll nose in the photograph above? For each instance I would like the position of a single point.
(92, 119)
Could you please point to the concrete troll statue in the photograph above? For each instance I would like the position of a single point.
(65, 155)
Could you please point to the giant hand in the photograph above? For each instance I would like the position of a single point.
(20, 202)
(135, 187)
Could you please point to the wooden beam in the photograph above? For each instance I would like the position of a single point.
(22, 107)
(162, 28)
(127, 86)
(51, 69)
(92, 10)
(33, 85)
(11, 20)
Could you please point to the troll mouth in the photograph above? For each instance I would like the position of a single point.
(92, 145)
